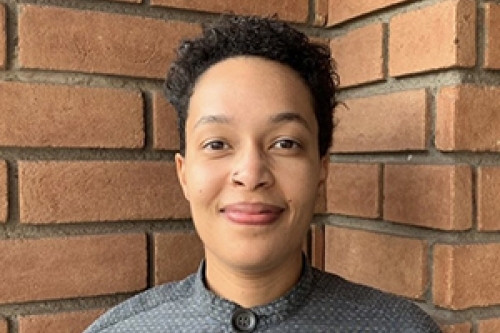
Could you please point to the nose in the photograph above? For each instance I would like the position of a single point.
(251, 170)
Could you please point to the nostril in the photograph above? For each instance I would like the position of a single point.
(233, 178)
(251, 176)
(236, 179)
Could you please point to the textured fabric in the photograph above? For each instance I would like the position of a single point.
(320, 302)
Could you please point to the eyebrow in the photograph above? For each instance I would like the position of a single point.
(282, 117)
(218, 119)
(290, 117)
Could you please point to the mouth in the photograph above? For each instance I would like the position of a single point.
(252, 213)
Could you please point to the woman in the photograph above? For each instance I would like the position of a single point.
(255, 100)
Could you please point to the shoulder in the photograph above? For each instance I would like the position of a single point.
(167, 295)
(374, 307)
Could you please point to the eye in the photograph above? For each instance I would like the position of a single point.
(286, 144)
(215, 145)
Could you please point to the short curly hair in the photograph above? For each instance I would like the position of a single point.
(268, 38)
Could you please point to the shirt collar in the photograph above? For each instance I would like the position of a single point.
(222, 309)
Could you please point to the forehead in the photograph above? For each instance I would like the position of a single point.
(250, 84)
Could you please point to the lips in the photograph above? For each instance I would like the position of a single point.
(252, 213)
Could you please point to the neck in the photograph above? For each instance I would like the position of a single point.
(250, 288)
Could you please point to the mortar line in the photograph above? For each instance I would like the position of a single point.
(311, 12)
(150, 248)
(11, 24)
(148, 121)
(480, 36)
(474, 197)
(13, 211)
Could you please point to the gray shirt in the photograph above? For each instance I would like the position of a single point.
(319, 302)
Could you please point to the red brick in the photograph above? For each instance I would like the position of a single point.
(3, 192)
(467, 118)
(492, 54)
(435, 37)
(466, 276)
(96, 42)
(3, 326)
(165, 132)
(488, 194)
(3, 38)
(457, 328)
(288, 10)
(69, 322)
(57, 192)
(42, 269)
(359, 55)
(36, 115)
(489, 326)
(343, 10)
(431, 196)
(392, 122)
(394, 264)
(354, 189)
(177, 254)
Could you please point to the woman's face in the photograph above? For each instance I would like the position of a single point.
(251, 169)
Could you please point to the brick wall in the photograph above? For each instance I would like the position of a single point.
(90, 209)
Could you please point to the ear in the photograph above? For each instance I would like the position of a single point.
(180, 165)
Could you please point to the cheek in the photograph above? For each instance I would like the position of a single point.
(305, 180)
(205, 181)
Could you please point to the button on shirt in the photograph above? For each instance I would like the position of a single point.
(244, 320)
(319, 302)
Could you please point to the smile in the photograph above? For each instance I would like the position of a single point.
(252, 213)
